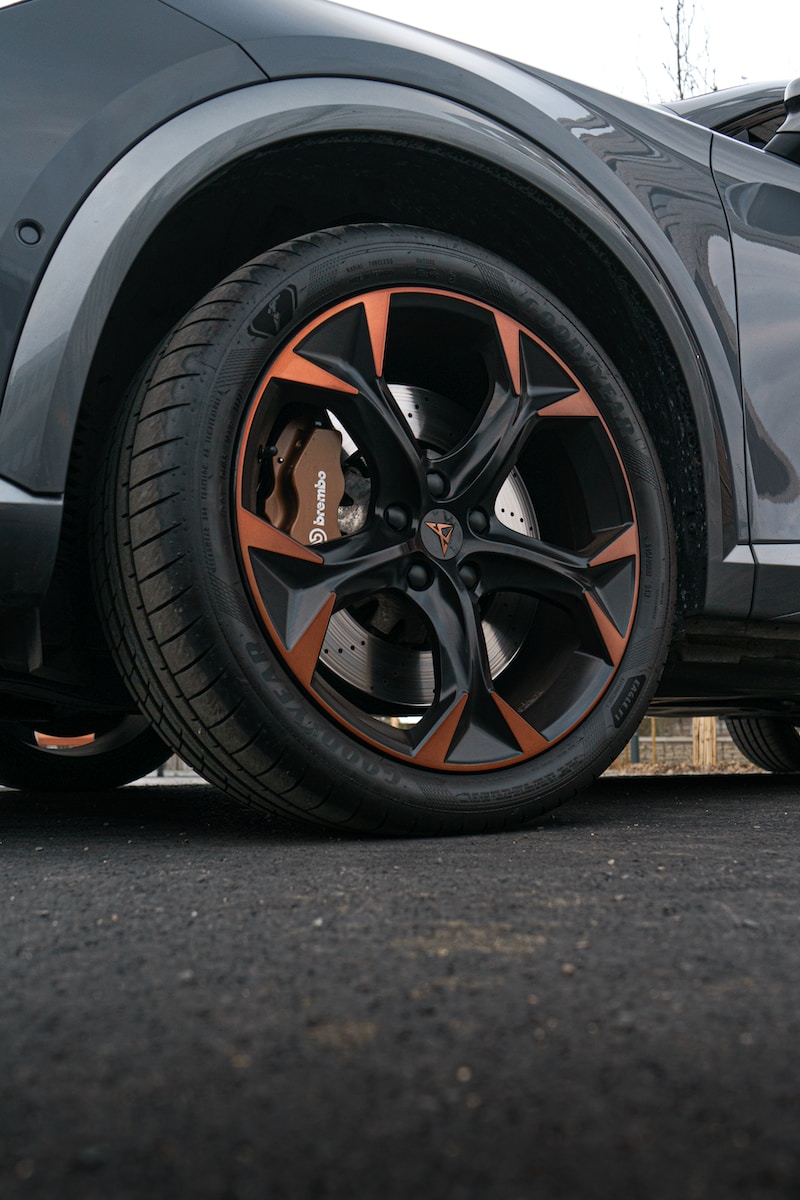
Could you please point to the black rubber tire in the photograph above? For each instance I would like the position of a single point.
(183, 626)
(772, 743)
(122, 753)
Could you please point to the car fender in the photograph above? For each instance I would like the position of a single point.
(76, 292)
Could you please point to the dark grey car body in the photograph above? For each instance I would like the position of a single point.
(149, 148)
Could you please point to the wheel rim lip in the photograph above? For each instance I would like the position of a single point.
(425, 756)
(89, 745)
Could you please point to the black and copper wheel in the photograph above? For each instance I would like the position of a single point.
(391, 534)
(80, 754)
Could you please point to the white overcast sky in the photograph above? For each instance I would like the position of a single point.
(619, 45)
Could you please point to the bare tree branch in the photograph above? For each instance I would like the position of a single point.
(690, 73)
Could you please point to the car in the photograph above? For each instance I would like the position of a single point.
(386, 426)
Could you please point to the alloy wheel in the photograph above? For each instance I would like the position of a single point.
(436, 529)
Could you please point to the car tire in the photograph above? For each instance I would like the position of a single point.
(772, 743)
(383, 541)
(58, 759)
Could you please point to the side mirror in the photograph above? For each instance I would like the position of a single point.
(786, 141)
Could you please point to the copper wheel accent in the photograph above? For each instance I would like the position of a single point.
(474, 591)
(48, 741)
(78, 752)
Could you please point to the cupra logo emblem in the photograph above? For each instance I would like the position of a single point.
(444, 532)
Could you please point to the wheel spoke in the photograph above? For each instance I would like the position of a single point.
(616, 546)
(303, 653)
(615, 563)
(579, 404)
(257, 534)
(349, 347)
(365, 563)
(293, 367)
(459, 651)
(295, 586)
(512, 562)
(479, 465)
(468, 722)
(581, 583)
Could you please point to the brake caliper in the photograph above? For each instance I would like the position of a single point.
(309, 483)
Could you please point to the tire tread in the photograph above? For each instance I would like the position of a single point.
(772, 743)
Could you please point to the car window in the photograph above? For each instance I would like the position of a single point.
(757, 128)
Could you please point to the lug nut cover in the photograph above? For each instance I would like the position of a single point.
(478, 521)
(437, 484)
(418, 576)
(396, 517)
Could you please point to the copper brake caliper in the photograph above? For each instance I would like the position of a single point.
(309, 483)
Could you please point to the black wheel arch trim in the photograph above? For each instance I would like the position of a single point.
(67, 315)
(29, 530)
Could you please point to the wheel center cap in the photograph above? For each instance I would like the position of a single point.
(441, 534)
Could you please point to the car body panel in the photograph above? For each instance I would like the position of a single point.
(69, 112)
(29, 530)
(103, 148)
(762, 200)
(761, 194)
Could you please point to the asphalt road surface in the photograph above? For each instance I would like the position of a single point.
(198, 1002)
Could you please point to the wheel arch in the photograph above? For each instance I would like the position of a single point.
(453, 170)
